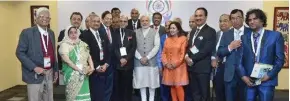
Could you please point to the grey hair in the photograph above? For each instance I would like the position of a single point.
(124, 16)
(41, 9)
(145, 16)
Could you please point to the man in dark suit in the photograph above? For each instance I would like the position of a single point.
(75, 20)
(36, 52)
(200, 45)
(98, 44)
(125, 48)
(216, 62)
(261, 47)
(230, 51)
(157, 18)
(134, 22)
(110, 34)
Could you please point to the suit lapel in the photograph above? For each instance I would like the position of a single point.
(37, 40)
(263, 43)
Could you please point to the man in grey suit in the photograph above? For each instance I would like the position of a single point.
(216, 62)
(157, 18)
(36, 53)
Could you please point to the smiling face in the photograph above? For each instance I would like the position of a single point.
(145, 22)
(43, 19)
(200, 17)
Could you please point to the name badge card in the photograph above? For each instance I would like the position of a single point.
(47, 63)
(123, 51)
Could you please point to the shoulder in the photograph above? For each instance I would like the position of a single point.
(273, 33)
(28, 31)
(183, 38)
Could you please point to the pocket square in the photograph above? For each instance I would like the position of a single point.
(129, 37)
(200, 38)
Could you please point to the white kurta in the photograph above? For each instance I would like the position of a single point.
(147, 76)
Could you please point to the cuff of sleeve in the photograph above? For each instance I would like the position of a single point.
(213, 58)
(186, 55)
(148, 57)
(229, 49)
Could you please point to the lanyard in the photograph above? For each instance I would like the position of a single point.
(195, 35)
(45, 45)
(97, 37)
(122, 36)
(257, 53)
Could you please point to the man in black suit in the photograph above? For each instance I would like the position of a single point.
(108, 31)
(75, 20)
(157, 18)
(125, 48)
(201, 43)
(134, 22)
(99, 50)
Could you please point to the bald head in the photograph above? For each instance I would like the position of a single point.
(135, 14)
(192, 22)
(123, 21)
(145, 21)
(224, 22)
(178, 20)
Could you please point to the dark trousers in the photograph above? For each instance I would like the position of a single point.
(101, 87)
(218, 82)
(265, 93)
(200, 84)
(164, 92)
(188, 92)
(123, 85)
(235, 89)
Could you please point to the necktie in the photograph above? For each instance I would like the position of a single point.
(256, 36)
(109, 34)
(134, 26)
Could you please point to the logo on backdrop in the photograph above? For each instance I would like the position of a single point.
(161, 6)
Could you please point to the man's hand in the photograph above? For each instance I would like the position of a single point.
(265, 78)
(55, 77)
(214, 63)
(104, 67)
(144, 60)
(123, 62)
(188, 61)
(39, 70)
(235, 44)
(248, 81)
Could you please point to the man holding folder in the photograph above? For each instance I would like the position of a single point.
(261, 47)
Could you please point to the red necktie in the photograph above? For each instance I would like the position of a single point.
(109, 34)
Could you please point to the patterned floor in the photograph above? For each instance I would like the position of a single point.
(18, 93)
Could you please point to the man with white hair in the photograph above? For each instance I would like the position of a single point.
(146, 72)
(35, 51)
(125, 48)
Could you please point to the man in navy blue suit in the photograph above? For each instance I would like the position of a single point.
(261, 47)
(229, 51)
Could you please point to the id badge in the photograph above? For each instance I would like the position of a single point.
(194, 50)
(123, 51)
(101, 55)
(80, 66)
(47, 63)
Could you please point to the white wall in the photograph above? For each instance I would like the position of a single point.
(182, 9)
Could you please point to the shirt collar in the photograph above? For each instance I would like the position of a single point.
(105, 26)
(93, 31)
(241, 29)
(41, 30)
(201, 26)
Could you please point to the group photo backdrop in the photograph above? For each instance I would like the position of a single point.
(168, 8)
